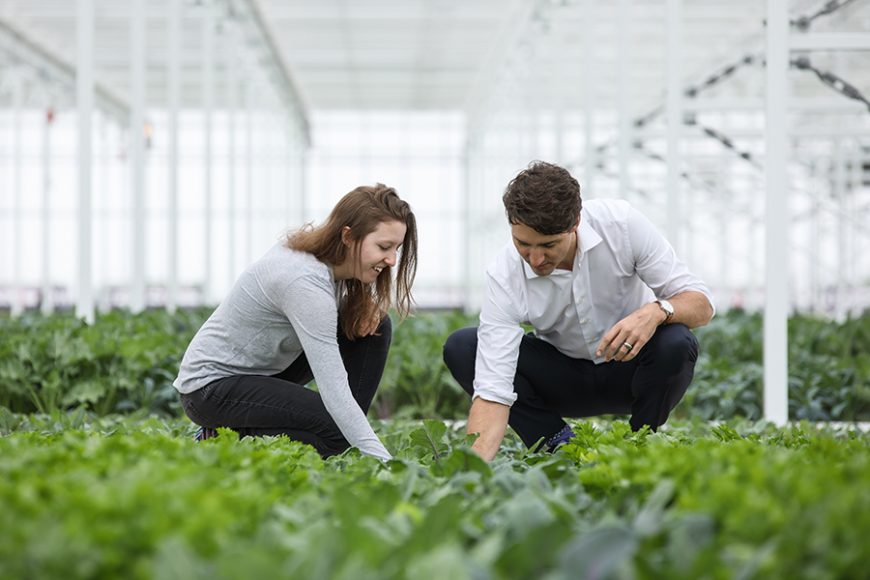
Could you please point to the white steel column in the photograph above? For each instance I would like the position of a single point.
(854, 264)
(559, 120)
(776, 296)
(587, 64)
(689, 212)
(208, 110)
(749, 231)
(726, 205)
(103, 209)
(47, 305)
(85, 106)
(624, 74)
(230, 98)
(286, 190)
(750, 234)
(249, 176)
(303, 173)
(17, 195)
(467, 188)
(675, 118)
(816, 296)
(137, 154)
(174, 88)
(840, 195)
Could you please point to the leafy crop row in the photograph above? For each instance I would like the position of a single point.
(829, 369)
(135, 498)
(126, 362)
(120, 363)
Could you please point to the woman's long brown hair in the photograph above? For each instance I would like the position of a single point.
(362, 210)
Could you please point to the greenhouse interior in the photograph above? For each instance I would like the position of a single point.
(434, 289)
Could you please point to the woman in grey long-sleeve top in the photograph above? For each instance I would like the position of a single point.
(313, 308)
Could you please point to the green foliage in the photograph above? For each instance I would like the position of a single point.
(780, 503)
(126, 362)
(111, 497)
(122, 362)
(829, 369)
(416, 383)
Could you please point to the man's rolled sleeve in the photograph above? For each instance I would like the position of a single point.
(657, 263)
(498, 345)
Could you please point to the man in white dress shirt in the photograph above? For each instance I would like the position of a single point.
(611, 306)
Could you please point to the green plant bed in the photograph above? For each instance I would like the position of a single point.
(87, 497)
(416, 382)
(125, 362)
(122, 362)
(829, 369)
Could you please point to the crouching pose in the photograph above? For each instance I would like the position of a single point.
(313, 308)
(611, 306)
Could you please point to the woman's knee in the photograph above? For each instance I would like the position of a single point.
(383, 335)
(385, 329)
(188, 404)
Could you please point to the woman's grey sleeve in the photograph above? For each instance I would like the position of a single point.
(310, 306)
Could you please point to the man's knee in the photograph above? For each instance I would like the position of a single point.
(460, 351)
(460, 347)
(673, 346)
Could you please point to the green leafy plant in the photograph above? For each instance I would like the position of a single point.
(416, 382)
(125, 362)
(86, 496)
(829, 369)
(122, 362)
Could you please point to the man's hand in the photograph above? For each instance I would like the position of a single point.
(690, 308)
(490, 420)
(628, 336)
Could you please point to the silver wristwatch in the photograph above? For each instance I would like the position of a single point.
(667, 308)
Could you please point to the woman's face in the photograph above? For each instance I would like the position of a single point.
(378, 251)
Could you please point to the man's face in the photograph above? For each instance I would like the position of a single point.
(545, 253)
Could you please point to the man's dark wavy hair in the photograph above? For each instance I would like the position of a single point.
(544, 197)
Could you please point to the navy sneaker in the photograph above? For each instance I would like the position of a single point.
(560, 438)
(204, 433)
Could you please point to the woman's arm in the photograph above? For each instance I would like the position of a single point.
(310, 306)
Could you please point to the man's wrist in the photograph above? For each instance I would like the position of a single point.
(666, 310)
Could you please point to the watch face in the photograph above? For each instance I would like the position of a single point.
(666, 306)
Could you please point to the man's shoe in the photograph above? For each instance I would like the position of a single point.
(204, 433)
(563, 436)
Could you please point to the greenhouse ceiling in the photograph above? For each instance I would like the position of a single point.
(443, 54)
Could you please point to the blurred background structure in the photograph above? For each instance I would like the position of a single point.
(150, 150)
